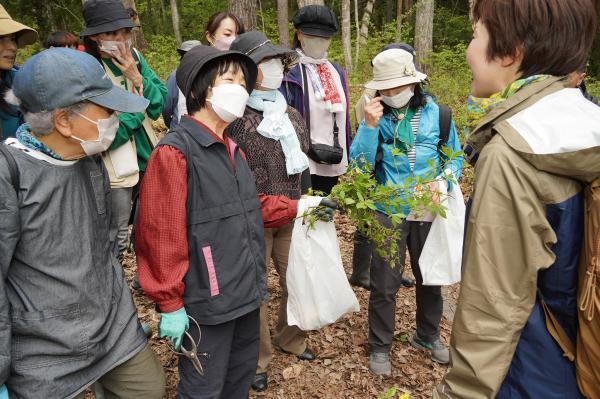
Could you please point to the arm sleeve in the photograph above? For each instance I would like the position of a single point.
(277, 210)
(154, 89)
(454, 143)
(508, 241)
(9, 236)
(161, 231)
(364, 145)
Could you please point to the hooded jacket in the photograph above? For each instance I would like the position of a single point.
(524, 233)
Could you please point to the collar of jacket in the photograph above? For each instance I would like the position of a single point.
(199, 131)
(483, 132)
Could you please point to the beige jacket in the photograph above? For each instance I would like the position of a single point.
(535, 149)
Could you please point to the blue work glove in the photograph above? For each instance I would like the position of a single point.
(3, 392)
(173, 325)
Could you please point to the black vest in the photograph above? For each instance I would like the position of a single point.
(227, 273)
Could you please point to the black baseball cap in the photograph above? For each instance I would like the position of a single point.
(316, 20)
(256, 46)
(105, 16)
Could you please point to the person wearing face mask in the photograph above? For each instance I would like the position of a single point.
(107, 37)
(318, 89)
(67, 318)
(275, 141)
(200, 230)
(221, 30)
(13, 35)
(401, 117)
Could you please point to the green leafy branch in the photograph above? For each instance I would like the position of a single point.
(360, 196)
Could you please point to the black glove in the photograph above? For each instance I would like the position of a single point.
(326, 209)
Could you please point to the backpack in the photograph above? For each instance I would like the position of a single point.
(586, 354)
(445, 123)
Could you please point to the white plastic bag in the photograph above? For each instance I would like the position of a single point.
(441, 258)
(318, 289)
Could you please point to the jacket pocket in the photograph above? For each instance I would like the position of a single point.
(213, 281)
(98, 185)
(47, 338)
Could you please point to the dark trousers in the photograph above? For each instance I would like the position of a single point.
(361, 258)
(385, 282)
(230, 362)
(323, 183)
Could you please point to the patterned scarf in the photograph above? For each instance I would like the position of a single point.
(403, 131)
(26, 138)
(478, 108)
(322, 81)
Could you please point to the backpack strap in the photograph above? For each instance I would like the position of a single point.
(305, 96)
(445, 124)
(12, 166)
(557, 332)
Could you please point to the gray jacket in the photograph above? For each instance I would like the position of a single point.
(66, 313)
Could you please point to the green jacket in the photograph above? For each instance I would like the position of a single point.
(131, 123)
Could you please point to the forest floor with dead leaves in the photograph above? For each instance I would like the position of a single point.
(341, 368)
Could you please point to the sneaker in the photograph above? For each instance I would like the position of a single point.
(379, 364)
(439, 352)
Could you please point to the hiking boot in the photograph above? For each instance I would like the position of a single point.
(439, 352)
(379, 364)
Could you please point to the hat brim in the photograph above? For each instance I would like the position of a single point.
(395, 82)
(25, 35)
(317, 31)
(120, 100)
(273, 51)
(109, 27)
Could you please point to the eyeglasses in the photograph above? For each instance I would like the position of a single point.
(192, 354)
(257, 47)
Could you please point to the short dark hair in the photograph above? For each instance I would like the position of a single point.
(555, 35)
(61, 39)
(205, 79)
(215, 21)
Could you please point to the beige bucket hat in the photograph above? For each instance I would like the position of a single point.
(393, 68)
(8, 26)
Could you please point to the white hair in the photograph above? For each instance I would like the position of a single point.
(42, 123)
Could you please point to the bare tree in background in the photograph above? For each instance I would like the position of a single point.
(399, 5)
(138, 39)
(366, 19)
(424, 32)
(246, 11)
(346, 34)
(175, 18)
(282, 23)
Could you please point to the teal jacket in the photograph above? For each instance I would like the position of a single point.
(10, 118)
(395, 171)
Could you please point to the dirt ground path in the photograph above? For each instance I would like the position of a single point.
(341, 370)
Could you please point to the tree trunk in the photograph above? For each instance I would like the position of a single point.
(302, 3)
(424, 33)
(175, 18)
(138, 39)
(246, 11)
(389, 11)
(357, 29)
(399, 10)
(347, 34)
(408, 4)
(364, 26)
(282, 23)
(163, 13)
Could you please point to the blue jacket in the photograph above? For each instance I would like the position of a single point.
(170, 113)
(10, 119)
(293, 92)
(395, 171)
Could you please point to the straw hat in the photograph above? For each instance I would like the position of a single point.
(394, 68)
(8, 26)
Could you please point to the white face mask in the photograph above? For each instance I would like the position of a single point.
(223, 43)
(229, 101)
(400, 99)
(315, 47)
(272, 73)
(107, 130)
(112, 46)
